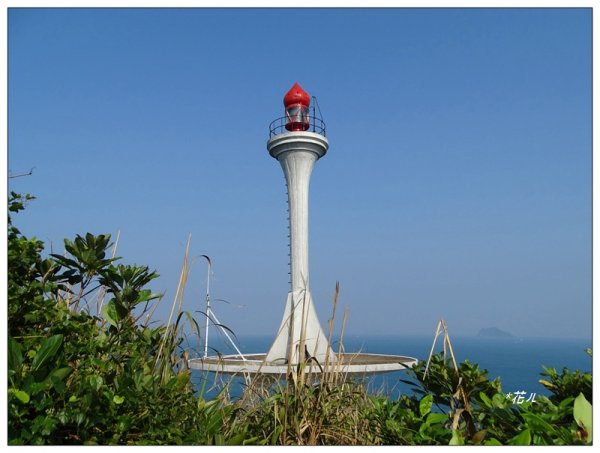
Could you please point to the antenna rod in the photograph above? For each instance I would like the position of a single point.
(207, 310)
(314, 114)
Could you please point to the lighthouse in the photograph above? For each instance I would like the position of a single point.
(298, 149)
(297, 141)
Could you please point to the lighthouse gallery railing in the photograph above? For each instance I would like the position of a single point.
(316, 125)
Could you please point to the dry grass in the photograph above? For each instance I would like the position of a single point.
(308, 408)
(303, 408)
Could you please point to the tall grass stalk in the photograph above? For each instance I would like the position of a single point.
(166, 356)
(102, 291)
(308, 407)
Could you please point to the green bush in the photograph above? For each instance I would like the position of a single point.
(77, 376)
(478, 412)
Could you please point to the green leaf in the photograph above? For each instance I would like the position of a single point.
(95, 382)
(236, 439)
(59, 374)
(113, 312)
(109, 313)
(582, 412)
(425, 405)
(456, 438)
(118, 399)
(492, 441)
(500, 401)
(58, 384)
(20, 395)
(523, 438)
(146, 295)
(435, 418)
(485, 400)
(538, 424)
(15, 357)
(46, 352)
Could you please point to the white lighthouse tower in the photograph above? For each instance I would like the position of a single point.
(298, 141)
(297, 149)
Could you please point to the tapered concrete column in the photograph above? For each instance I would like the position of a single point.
(297, 153)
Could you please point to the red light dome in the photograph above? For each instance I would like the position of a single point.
(296, 95)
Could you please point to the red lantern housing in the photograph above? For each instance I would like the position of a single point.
(297, 102)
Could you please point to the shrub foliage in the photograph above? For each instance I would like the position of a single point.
(83, 369)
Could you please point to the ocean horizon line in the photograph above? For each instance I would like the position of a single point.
(354, 336)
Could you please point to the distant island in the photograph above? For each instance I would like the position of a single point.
(494, 332)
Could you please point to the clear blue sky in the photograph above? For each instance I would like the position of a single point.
(457, 184)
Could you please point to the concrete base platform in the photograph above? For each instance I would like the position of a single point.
(348, 363)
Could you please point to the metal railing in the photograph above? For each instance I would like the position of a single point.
(315, 124)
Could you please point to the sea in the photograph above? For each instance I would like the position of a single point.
(518, 362)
